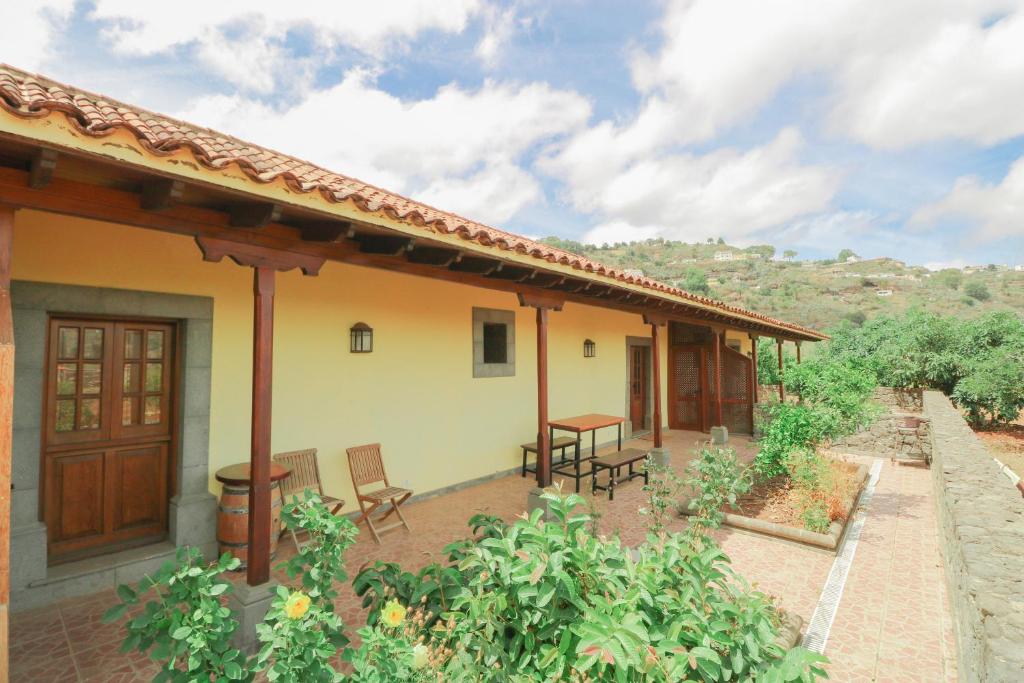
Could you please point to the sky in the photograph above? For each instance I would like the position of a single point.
(890, 128)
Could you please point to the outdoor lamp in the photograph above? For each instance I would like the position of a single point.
(361, 338)
(589, 348)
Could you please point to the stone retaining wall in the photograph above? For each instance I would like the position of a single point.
(981, 520)
(900, 400)
(884, 438)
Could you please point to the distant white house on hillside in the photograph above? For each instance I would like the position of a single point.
(1020, 268)
(853, 259)
(632, 272)
(724, 256)
(883, 292)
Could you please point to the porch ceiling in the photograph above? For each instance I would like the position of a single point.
(67, 151)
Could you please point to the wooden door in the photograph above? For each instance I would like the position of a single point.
(638, 381)
(686, 382)
(107, 434)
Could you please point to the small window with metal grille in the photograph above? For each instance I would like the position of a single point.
(495, 343)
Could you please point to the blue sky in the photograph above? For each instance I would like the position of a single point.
(889, 129)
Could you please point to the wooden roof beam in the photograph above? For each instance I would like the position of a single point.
(433, 256)
(476, 265)
(546, 280)
(392, 245)
(327, 232)
(41, 168)
(255, 215)
(161, 194)
(513, 273)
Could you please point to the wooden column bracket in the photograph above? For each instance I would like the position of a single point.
(547, 300)
(215, 249)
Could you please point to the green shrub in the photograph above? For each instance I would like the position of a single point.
(185, 628)
(662, 487)
(716, 479)
(548, 600)
(976, 289)
(298, 636)
(992, 391)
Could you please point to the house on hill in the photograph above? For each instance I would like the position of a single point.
(185, 302)
(725, 256)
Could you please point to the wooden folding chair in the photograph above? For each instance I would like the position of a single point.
(367, 468)
(305, 475)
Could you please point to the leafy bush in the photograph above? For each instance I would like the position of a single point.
(298, 637)
(976, 289)
(320, 562)
(549, 601)
(716, 479)
(926, 350)
(186, 627)
(662, 487)
(993, 390)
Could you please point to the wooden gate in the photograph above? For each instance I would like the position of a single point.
(686, 379)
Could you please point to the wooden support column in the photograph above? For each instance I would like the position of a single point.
(258, 570)
(265, 264)
(719, 334)
(655, 322)
(797, 353)
(782, 388)
(6, 426)
(543, 303)
(753, 360)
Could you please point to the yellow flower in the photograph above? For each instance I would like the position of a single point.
(393, 614)
(296, 605)
(420, 656)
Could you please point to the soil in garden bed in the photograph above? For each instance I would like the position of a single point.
(1006, 442)
(777, 500)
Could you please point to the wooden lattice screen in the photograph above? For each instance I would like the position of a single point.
(736, 392)
(685, 381)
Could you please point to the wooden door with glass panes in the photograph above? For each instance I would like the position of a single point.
(108, 433)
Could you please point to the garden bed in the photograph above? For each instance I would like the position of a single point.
(773, 508)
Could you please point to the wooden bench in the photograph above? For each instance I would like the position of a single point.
(613, 462)
(561, 443)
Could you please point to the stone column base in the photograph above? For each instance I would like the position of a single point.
(193, 522)
(28, 555)
(720, 435)
(249, 605)
(661, 456)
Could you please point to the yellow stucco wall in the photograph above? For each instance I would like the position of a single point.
(415, 393)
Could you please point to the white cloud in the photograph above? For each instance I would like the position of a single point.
(996, 209)
(499, 26)
(461, 149)
(727, 192)
(27, 34)
(244, 41)
(898, 73)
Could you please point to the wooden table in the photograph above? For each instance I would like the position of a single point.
(579, 425)
(233, 511)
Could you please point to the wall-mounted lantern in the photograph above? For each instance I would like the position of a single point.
(361, 338)
(589, 348)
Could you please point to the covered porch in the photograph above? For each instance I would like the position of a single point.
(893, 619)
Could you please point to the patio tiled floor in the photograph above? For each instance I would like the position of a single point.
(893, 623)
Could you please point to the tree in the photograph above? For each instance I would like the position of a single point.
(845, 254)
(711, 240)
(721, 241)
(789, 254)
(976, 289)
(695, 281)
(949, 277)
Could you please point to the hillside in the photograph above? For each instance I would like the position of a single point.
(814, 293)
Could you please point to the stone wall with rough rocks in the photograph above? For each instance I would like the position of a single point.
(890, 436)
(900, 400)
(981, 519)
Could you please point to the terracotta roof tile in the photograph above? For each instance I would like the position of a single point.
(28, 95)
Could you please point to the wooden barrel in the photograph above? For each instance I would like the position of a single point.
(233, 521)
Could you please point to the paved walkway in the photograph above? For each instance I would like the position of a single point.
(893, 622)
